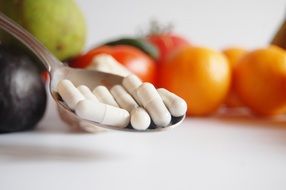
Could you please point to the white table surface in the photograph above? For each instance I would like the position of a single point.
(215, 153)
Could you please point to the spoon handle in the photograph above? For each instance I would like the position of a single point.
(50, 61)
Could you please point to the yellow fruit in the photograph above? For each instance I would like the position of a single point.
(199, 75)
(260, 80)
(233, 55)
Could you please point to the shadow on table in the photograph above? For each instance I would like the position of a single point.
(272, 129)
(244, 118)
(42, 153)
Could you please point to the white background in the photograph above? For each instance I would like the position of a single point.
(217, 153)
(212, 23)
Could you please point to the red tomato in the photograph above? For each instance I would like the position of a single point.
(45, 76)
(166, 43)
(133, 59)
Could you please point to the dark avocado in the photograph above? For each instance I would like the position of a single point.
(23, 95)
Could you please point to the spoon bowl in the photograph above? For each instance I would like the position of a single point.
(58, 71)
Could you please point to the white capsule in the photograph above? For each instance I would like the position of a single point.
(69, 93)
(85, 91)
(131, 84)
(102, 113)
(104, 96)
(106, 63)
(140, 119)
(123, 98)
(176, 105)
(153, 103)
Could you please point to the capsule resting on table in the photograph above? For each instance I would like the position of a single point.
(69, 93)
(131, 84)
(104, 96)
(86, 92)
(102, 113)
(140, 119)
(153, 103)
(176, 105)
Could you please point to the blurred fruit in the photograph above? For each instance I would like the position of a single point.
(279, 38)
(260, 80)
(233, 55)
(22, 94)
(132, 58)
(139, 43)
(45, 76)
(199, 75)
(58, 24)
(166, 43)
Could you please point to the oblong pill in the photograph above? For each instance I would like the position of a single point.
(140, 119)
(175, 104)
(123, 98)
(69, 93)
(106, 63)
(85, 91)
(153, 103)
(104, 96)
(102, 113)
(131, 84)
(100, 62)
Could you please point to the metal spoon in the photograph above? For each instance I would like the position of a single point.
(58, 71)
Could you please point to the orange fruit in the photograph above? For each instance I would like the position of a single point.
(233, 55)
(199, 75)
(260, 80)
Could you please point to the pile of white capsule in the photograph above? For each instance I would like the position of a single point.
(133, 103)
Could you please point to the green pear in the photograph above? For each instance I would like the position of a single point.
(58, 24)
